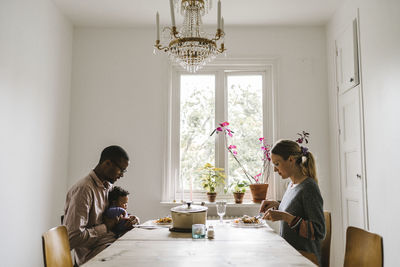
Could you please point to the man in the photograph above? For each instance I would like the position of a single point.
(88, 230)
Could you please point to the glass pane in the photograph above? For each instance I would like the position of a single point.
(197, 120)
(245, 115)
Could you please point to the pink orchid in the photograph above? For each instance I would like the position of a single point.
(303, 137)
(232, 149)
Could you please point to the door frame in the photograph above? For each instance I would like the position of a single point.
(362, 131)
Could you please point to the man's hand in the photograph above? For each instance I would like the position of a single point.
(134, 219)
(268, 204)
(111, 222)
(127, 223)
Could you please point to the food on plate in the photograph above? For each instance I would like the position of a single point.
(247, 219)
(164, 220)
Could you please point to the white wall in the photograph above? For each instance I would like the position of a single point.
(380, 66)
(119, 97)
(35, 55)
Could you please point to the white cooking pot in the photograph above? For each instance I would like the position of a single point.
(183, 217)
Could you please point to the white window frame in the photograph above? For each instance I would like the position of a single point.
(269, 68)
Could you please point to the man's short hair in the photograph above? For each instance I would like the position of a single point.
(113, 153)
(115, 193)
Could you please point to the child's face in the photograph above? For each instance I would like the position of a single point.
(122, 202)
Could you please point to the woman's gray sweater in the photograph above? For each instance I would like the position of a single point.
(306, 232)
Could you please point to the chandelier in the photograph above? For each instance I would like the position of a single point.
(191, 46)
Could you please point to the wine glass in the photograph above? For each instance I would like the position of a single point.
(221, 209)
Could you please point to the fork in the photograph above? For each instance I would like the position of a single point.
(260, 215)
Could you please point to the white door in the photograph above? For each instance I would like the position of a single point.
(352, 178)
(347, 58)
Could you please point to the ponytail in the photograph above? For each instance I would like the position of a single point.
(307, 166)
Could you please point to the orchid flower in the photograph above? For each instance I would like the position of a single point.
(265, 170)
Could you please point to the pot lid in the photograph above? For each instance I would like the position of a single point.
(189, 208)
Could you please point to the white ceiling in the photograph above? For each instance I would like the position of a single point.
(128, 13)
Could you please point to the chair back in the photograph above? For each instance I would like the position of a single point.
(56, 249)
(310, 256)
(363, 248)
(326, 243)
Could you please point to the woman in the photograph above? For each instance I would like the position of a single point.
(301, 209)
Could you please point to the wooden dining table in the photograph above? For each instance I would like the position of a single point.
(156, 246)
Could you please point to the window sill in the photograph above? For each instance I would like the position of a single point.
(212, 204)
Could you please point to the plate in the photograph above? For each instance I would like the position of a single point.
(241, 224)
(162, 223)
(156, 223)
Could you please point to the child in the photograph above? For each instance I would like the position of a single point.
(118, 203)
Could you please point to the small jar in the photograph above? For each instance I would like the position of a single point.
(198, 231)
(210, 232)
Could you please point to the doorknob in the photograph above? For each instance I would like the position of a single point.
(358, 176)
(351, 79)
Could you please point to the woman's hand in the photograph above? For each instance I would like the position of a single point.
(277, 215)
(268, 204)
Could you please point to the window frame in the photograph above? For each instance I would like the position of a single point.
(221, 69)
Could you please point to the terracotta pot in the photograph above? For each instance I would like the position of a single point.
(259, 192)
(211, 196)
(238, 197)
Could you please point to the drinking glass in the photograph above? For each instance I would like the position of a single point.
(198, 231)
(221, 210)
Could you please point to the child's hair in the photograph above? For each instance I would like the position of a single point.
(304, 158)
(115, 193)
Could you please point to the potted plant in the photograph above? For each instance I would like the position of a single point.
(212, 178)
(259, 182)
(238, 189)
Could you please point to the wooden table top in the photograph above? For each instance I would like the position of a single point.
(231, 246)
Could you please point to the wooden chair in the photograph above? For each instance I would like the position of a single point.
(56, 250)
(363, 249)
(310, 256)
(325, 245)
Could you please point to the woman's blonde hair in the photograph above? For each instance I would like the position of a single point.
(304, 158)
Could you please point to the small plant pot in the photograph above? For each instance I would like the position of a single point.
(238, 197)
(211, 196)
(259, 192)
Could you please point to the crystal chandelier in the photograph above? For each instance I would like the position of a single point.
(191, 47)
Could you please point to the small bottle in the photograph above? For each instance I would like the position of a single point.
(210, 232)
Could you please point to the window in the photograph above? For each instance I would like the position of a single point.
(237, 93)
(197, 120)
(245, 114)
